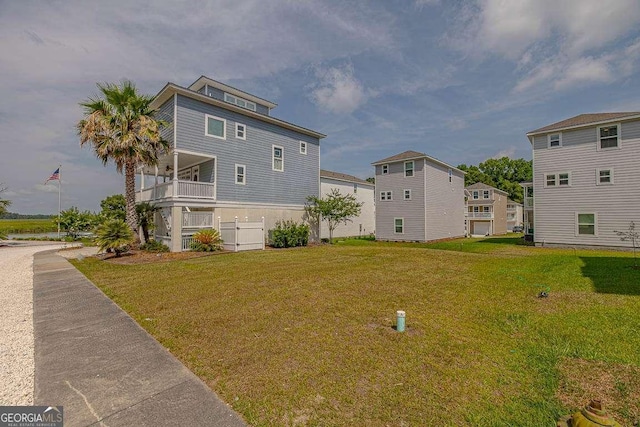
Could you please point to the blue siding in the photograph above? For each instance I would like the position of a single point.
(301, 177)
(165, 113)
(207, 171)
(219, 94)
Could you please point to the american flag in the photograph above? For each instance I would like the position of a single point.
(54, 176)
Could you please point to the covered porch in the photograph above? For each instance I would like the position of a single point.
(179, 175)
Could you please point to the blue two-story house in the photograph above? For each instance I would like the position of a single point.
(229, 158)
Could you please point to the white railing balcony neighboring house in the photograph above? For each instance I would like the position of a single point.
(178, 189)
(197, 219)
(483, 215)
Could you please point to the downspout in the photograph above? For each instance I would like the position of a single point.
(424, 183)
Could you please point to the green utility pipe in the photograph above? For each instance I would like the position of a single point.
(400, 316)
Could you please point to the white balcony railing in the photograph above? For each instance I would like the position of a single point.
(197, 219)
(483, 215)
(185, 189)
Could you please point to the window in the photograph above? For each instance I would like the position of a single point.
(385, 169)
(385, 195)
(608, 137)
(407, 194)
(485, 194)
(554, 140)
(241, 171)
(408, 168)
(240, 102)
(241, 131)
(398, 225)
(586, 224)
(355, 188)
(476, 195)
(303, 147)
(550, 180)
(215, 127)
(604, 176)
(277, 163)
(557, 179)
(450, 175)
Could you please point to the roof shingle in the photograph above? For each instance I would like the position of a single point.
(342, 177)
(583, 120)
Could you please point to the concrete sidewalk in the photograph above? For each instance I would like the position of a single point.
(102, 367)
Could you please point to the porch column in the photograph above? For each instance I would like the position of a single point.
(176, 229)
(174, 191)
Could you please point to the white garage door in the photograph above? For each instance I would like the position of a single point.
(480, 228)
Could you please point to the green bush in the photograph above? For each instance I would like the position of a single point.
(206, 241)
(288, 234)
(114, 235)
(154, 246)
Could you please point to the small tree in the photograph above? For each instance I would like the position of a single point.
(145, 212)
(334, 209)
(632, 235)
(114, 235)
(114, 207)
(73, 221)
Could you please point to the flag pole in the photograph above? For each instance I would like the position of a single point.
(59, 191)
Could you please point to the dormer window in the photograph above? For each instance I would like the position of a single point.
(554, 140)
(240, 102)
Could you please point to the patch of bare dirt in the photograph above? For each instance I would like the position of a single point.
(616, 385)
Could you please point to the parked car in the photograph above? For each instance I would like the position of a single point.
(518, 229)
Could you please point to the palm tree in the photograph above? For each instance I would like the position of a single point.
(146, 211)
(120, 126)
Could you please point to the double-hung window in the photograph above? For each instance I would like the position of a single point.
(303, 147)
(485, 194)
(408, 168)
(385, 195)
(604, 176)
(241, 174)
(215, 127)
(407, 194)
(563, 178)
(586, 224)
(241, 131)
(554, 140)
(398, 225)
(608, 137)
(476, 195)
(277, 163)
(550, 180)
(385, 169)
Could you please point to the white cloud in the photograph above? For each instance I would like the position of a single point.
(507, 152)
(337, 90)
(585, 70)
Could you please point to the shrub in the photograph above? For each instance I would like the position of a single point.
(288, 234)
(114, 235)
(154, 246)
(206, 241)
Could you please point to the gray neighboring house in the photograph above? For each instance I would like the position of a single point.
(229, 158)
(418, 198)
(586, 174)
(515, 215)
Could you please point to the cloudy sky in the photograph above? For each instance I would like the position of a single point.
(460, 80)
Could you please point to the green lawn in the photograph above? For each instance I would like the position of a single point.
(19, 226)
(305, 336)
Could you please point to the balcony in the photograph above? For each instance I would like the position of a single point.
(178, 189)
(480, 215)
(528, 202)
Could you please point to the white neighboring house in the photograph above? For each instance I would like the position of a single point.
(364, 191)
(586, 174)
(514, 215)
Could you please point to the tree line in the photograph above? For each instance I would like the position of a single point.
(504, 174)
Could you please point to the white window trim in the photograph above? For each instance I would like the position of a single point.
(556, 176)
(619, 146)
(595, 224)
(413, 169)
(244, 174)
(598, 176)
(303, 148)
(404, 194)
(488, 194)
(385, 169)
(249, 105)
(206, 126)
(475, 195)
(394, 225)
(559, 139)
(244, 131)
(273, 158)
(568, 177)
(388, 196)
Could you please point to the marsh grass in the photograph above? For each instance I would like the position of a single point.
(305, 336)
